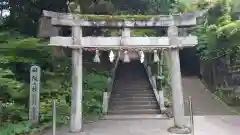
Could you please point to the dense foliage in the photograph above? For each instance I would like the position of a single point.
(218, 17)
(219, 42)
(17, 55)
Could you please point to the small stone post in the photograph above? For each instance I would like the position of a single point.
(176, 82)
(77, 87)
(34, 94)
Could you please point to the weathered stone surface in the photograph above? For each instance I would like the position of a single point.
(177, 130)
(46, 29)
(68, 19)
(123, 42)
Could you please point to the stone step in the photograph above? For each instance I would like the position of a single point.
(129, 68)
(133, 102)
(133, 98)
(143, 89)
(116, 103)
(131, 74)
(134, 116)
(133, 89)
(122, 95)
(129, 83)
(140, 82)
(152, 98)
(132, 86)
(127, 72)
(136, 80)
(143, 111)
(132, 92)
(134, 107)
(130, 78)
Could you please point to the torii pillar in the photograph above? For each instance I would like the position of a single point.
(77, 87)
(176, 83)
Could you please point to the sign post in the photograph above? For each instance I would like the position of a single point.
(34, 97)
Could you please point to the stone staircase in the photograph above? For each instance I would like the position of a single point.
(132, 93)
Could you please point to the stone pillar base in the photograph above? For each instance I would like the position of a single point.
(74, 131)
(180, 130)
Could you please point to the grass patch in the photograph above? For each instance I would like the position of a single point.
(229, 97)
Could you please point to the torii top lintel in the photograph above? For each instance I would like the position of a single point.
(68, 19)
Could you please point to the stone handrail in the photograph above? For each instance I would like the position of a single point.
(152, 80)
(111, 81)
(107, 94)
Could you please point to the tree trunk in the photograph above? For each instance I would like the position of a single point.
(13, 11)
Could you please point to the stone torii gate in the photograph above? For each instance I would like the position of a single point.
(125, 42)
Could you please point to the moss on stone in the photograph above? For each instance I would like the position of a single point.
(115, 33)
(143, 32)
(119, 17)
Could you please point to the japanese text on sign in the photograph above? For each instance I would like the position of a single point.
(35, 73)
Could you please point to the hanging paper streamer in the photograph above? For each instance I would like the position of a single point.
(155, 56)
(96, 57)
(126, 57)
(111, 56)
(141, 53)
